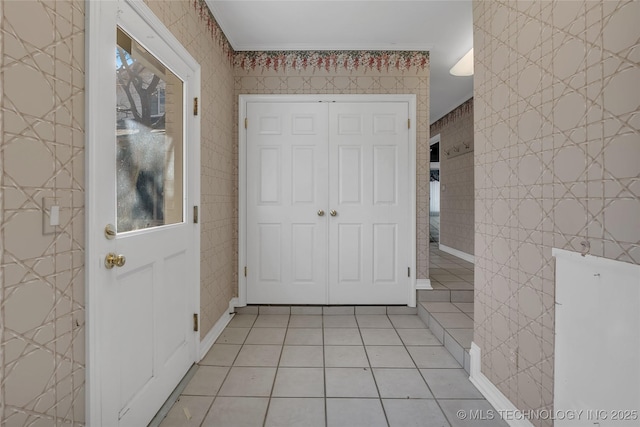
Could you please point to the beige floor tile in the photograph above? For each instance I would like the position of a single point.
(299, 382)
(266, 336)
(342, 336)
(414, 413)
(248, 382)
(258, 355)
(302, 356)
(298, 412)
(350, 382)
(401, 384)
(344, 356)
(303, 336)
(221, 355)
(188, 411)
(389, 356)
(237, 412)
(206, 381)
(432, 357)
(355, 413)
(380, 336)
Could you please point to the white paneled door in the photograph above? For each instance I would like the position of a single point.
(287, 198)
(369, 203)
(143, 257)
(328, 202)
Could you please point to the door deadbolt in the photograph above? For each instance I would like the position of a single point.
(110, 232)
(113, 260)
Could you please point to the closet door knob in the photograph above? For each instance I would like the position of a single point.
(320, 212)
(333, 212)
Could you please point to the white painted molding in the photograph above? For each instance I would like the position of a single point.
(465, 256)
(494, 396)
(233, 303)
(423, 284)
(214, 333)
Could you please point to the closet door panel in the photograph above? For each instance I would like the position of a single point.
(368, 190)
(286, 187)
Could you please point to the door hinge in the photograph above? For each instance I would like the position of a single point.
(245, 271)
(246, 122)
(195, 106)
(195, 214)
(409, 123)
(196, 324)
(408, 271)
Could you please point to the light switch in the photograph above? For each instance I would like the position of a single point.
(51, 215)
(54, 216)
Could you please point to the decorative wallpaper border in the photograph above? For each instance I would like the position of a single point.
(331, 60)
(214, 28)
(461, 110)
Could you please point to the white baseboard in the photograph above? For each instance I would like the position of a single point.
(214, 333)
(465, 256)
(233, 304)
(494, 396)
(422, 284)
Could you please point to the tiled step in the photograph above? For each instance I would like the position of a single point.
(446, 295)
(451, 325)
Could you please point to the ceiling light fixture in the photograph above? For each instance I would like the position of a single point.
(464, 67)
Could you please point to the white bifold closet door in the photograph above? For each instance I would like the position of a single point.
(328, 203)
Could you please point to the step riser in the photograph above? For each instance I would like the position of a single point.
(445, 295)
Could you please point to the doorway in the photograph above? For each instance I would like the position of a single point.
(327, 199)
(434, 189)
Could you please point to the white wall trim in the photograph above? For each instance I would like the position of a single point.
(211, 337)
(465, 256)
(423, 284)
(494, 396)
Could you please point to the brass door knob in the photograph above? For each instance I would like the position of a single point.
(113, 260)
(333, 212)
(320, 212)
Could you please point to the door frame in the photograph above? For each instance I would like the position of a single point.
(101, 20)
(410, 99)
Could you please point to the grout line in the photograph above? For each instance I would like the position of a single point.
(375, 382)
(275, 376)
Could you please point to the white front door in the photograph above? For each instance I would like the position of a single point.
(369, 202)
(143, 256)
(286, 218)
(328, 202)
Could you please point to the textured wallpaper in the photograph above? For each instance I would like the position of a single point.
(456, 178)
(384, 74)
(557, 162)
(42, 151)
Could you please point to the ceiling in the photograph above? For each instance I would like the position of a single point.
(443, 27)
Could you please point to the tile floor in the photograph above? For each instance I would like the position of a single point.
(448, 310)
(349, 370)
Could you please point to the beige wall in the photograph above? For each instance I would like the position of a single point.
(42, 303)
(42, 360)
(557, 159)
(456, 177)
(345, 79)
